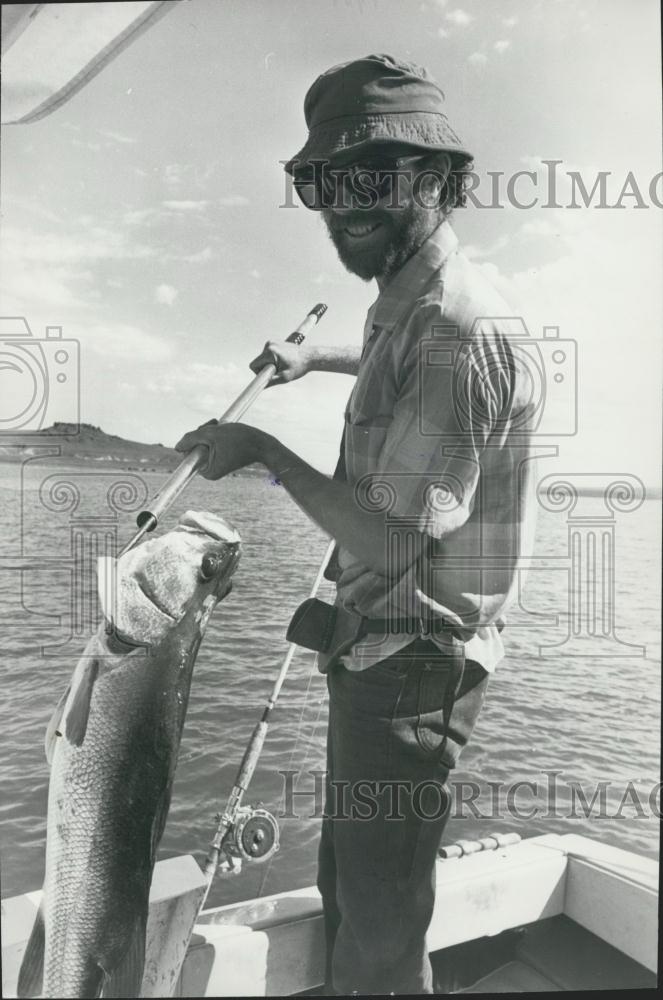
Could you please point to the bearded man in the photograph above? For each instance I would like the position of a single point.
(430, 506)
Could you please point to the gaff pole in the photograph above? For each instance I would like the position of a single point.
(148, 520)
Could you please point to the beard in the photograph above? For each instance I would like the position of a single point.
(400, 235)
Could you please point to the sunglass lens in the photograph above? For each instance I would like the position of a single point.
(322, 186)
(314, 188)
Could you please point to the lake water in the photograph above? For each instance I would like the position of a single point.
(563, 719)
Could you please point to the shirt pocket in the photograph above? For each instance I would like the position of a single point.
(364, 440)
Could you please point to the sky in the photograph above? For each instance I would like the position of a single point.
(146, 216)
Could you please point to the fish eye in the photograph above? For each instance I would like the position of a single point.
(209, 565)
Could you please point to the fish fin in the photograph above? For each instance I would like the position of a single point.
(31, 976)
(77, 716)
(53, 728)
(126, 978)
(92, 980)
(159, 821)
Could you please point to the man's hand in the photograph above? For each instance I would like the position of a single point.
(330, 503)
(291, 361)
(230, 446)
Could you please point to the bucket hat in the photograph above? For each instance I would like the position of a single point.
(374, 99)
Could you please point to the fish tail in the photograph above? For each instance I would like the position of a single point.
(31, 975)
(126, 978)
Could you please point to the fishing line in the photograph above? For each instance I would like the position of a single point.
(312, 672)
(300, 725)
(244, 833)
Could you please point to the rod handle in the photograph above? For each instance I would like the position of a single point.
(316, 313)
(251, 756)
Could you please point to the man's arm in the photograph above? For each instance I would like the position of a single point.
(330, 503)
(343, 360)
(293, 362)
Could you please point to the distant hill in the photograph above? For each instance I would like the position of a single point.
(84, 444)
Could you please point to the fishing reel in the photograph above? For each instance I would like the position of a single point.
(254, 836)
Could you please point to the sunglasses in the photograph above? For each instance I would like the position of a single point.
(321, 185)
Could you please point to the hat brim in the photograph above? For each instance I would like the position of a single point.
(352, 133)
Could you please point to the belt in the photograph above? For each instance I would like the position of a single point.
(332, 630)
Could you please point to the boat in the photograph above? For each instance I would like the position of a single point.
(548, 913)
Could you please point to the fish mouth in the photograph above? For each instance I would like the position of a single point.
(228, 556)
(153, 599)
(204, 523)
(228, 568)
(149, 591)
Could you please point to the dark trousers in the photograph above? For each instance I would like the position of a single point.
(386, 807)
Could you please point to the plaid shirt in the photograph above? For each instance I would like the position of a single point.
(437, 439)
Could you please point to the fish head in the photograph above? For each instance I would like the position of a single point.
(151, 589)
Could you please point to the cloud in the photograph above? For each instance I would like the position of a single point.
(233, 201)
(86, 144)
(175, 173)
(165, 212)
(42, 212)
(123, 342)
(202, 386)
(459, 17)
(111, 139)
(46, 273)
(165, 295)
(510, 22)
(542, 227)
(185, 205)
(593, 290)
(477, 59)
(325, 278)
(95, 242)
(178, 175)
(442, 33)
(502, 45)
(46, 288)
(125, 140)
(136, 216)
(479, 252)
(199, 257)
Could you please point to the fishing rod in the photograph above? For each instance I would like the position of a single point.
(245, 833)
(196, 459)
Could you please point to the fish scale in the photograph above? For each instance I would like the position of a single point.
(116, 740)
(90, 799)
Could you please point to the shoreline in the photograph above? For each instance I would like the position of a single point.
(120, 465)
(251, 472)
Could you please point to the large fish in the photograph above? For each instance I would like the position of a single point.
(113, 743)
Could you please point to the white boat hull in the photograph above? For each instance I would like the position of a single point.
(274, 945)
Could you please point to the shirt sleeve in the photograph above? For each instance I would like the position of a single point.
(445, 411)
